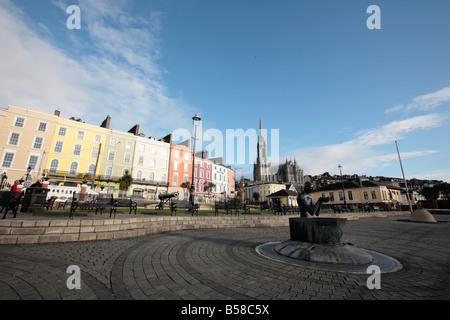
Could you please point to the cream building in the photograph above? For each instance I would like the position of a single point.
(25, 141)
(150, 167)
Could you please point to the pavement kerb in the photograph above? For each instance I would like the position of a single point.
(54, 230)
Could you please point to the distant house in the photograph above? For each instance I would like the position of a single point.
(286, 197)
(360, 192)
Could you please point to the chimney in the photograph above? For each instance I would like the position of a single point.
(57, 113)
(106, 123)
(135, 130)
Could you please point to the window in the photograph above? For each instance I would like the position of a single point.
(186, 156)
(37, 144)
(374, 195)
(186, 168)
(58, 147)
(177, 154)
(350, 195)
(208, 175)
(139, 175)
(152, 176)
(7, 159)
(73, 168)
(175, 179)
(113, 142)
(331, 195)
(141, 147)
(54, 166)
(153, 162)
(128, 145)
(185, 178)
(32, 162)
(164, 164)
(94, 152)
(165, 152)
(341, 196)
(80, 135)
(14, 139)
(91, 170)
(77, 149)
(141, 160)
(111, 155)
(175, 165)
(127, 158)
(42, 127)
(164, 178)
(20, 122)
(153, 150)
(108, 172)
(62, 131)
(366, 196)
(201, 171)
(97, 138)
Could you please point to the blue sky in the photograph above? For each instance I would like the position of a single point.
(338, 92)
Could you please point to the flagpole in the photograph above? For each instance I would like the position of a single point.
(406, 185)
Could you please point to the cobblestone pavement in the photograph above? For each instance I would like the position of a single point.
(219, 264)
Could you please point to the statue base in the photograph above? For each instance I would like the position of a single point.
(341, 254)
(316, 242)
(317, 230)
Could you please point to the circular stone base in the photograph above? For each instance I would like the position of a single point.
(347, 258)
(335, 254)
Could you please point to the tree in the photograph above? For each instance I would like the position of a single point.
(209, 186)
(432, 193)
(186, 185)
(125, 181)
(239, 191)
(256, 195)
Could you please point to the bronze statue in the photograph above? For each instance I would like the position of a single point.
(306, 203)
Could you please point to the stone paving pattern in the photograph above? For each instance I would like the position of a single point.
(223, 264)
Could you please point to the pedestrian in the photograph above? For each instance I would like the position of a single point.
(37, 184)
(14, 186)
(4, 179)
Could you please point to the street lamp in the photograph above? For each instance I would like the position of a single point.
(343, 189)
(196, 119)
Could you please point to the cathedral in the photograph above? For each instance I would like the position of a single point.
(288, 172)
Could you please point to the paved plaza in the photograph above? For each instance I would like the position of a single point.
(223, 264)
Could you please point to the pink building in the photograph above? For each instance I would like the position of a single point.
(202, 175)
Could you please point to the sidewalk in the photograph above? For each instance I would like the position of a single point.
(222, 264)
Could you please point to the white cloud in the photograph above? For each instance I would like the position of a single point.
(424, 102)
(117, 72)
(362, 154)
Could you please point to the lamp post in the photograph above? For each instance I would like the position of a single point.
(343, 189)
(196, 119)
(28, 173)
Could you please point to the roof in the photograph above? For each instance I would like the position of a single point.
(283, 193)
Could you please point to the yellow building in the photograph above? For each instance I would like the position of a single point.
(25, 141)
(263, 189)
(365, 192)
(74, 152)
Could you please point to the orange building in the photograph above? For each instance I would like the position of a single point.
(180, 168)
